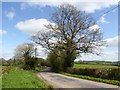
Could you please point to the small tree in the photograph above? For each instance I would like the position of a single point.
(54, 62)
(25, 51)
(31, 63)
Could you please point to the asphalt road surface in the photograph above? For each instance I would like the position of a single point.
(61, 81)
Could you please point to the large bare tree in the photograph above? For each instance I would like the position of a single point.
(71, 33)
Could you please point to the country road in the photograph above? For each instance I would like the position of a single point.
(61, 81)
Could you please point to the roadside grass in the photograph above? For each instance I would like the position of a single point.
(114, 82)
(17, 78)
(93, 66)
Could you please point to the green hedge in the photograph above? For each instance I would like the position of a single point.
(112, 74)
(114, 82)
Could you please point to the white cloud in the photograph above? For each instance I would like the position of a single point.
(2, 32)
(7, 54)
(105, 56)
(94, 27)
(32, 26)
(41, 52)
(10, 15)
(103, 20)
(1, 54)
(0, 43)
(113, 42)
(87, 5)
(109, 53)
(23, 6)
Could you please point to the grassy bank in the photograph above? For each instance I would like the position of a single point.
(16, 78)
(93, 66)
(114, 82)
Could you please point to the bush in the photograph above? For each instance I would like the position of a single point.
(42, 62)
(54, 62)
(102, 73)
(56, 66)
(114, 74)
(38, 69)
(88, 72)
(30, 63)
(7, 69)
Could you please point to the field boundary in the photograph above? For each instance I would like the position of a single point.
(113, 82)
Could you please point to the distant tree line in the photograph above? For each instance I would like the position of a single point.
(115, 63)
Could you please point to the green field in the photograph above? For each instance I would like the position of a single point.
(93, 66)
(17, 78)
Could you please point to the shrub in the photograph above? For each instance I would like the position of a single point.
(70, 70)
(88, 72)
(7, 69)
(30, 63)
(114, 74)
(37, 69)
(54, 62)
(102, 73)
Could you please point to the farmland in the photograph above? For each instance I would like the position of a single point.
(93, 66)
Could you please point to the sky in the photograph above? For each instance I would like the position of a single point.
(23, 18)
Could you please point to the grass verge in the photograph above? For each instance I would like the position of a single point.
(114, 82)
(17, 78)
